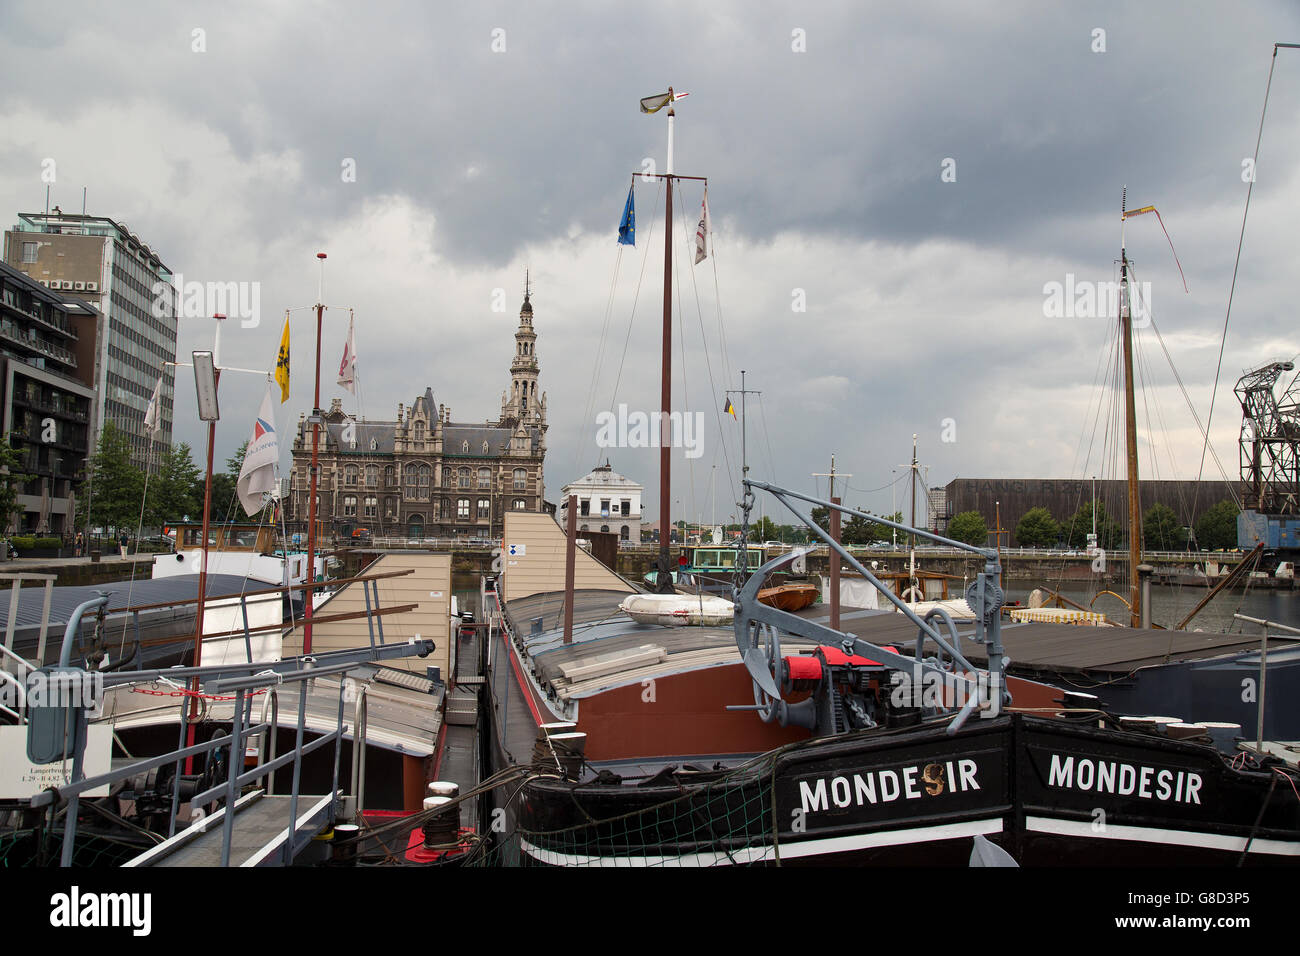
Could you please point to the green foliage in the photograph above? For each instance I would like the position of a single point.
(1078, 526)
(1217, 528)
(969, 527)
(1162, 531)
(11, 480)
(116, 486)
(1037, 529)
(172, 490)
(822, 518)
(26, 542)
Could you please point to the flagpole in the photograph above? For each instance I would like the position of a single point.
(315, 467)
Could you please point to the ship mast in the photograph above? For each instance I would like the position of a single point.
(663, 583)
(664, 578)
(1130, 428)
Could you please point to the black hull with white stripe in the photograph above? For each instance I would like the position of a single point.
(1048, 791)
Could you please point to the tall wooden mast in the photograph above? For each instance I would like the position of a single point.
(664, 582)
(1130, 428)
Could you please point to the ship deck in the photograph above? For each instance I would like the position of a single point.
(609, 649)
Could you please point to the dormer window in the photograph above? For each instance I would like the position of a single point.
(464, 447)
(485, 448)
(373, 444)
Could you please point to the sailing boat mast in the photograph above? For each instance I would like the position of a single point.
(1130, 428)
(664, 579)
(664, 582)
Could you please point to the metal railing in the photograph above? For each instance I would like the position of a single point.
(245, 680)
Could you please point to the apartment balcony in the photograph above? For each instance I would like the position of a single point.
(26, 339)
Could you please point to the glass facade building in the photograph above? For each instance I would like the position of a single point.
(103, 262)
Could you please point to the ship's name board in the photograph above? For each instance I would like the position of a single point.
(885, 786)
(1124, 779)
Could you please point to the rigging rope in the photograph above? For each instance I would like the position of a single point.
(1241, 239)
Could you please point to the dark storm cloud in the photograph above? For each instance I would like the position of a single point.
(925, 297)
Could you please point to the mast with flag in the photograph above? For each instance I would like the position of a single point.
(653, 104)
(257, 475)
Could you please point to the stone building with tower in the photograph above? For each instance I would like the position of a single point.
(425, 475)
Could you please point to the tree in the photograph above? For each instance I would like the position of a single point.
(1078, 526)
(1217, 528)
(116, 487)
(1037, 529)
(969, 527)
(172, 490)
(1162, 531)
(822, 518)
(857, 530)
(11, 480)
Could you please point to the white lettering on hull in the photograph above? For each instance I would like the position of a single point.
(886, 786)
(1124, 779)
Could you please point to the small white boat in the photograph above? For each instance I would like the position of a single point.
(678, 610)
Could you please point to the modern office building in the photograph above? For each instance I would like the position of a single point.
(48, 345)
(107, 265)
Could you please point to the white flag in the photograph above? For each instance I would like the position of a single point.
(702, 231)
(152, 419)
(348, 367)
(257, 476)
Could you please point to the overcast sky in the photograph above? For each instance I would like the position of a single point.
(487, 139)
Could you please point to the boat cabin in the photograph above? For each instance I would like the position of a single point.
(225, 537)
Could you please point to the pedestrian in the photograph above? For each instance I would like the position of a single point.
(80, 544)
(124, 541)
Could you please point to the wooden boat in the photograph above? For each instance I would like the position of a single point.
(789, 597)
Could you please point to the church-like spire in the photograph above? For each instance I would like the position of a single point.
(522, 402)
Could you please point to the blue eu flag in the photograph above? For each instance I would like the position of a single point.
(627, 228)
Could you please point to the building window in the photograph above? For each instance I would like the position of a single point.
(584, 507)
(390, 476)
(419, 431)
(519, 504)
(390, 507)
(485, 448)
(521, 479)
(484, 508)
(623, 532)
(372, 508)
(372, 476)
(350, 476)
(462, 508)
(350, 506)
(462, 478)
(604, 507)
(464, 448)
(29, 252)
(446, 477)
(604, 529)
(418, 477)
(484, 479)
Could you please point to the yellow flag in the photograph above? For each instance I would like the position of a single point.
(282, 364)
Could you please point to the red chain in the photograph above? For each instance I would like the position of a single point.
(187, 693)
